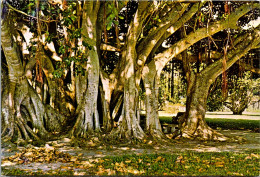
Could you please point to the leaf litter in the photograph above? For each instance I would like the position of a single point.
(135, 166)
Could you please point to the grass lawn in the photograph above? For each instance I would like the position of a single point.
(187, 163)
(232, 124)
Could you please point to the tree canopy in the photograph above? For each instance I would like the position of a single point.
(76, 67)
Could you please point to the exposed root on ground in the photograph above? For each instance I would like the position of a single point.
(205, 133)
(159, 137)
(122, 134)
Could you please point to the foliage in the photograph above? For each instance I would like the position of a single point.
(172, 84)
(215, 101)
(241, 92)
(241, 87)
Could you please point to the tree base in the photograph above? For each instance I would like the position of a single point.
(159, 137)
(205, 134)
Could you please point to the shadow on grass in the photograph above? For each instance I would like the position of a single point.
(231, 124)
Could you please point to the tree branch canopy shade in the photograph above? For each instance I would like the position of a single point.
(80, 68)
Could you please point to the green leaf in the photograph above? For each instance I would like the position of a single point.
(30, 4)
(109, 25)
(116, 22)
(120, 17)
(202, 18)
(62, 49)
(42, 7)
(73, 18)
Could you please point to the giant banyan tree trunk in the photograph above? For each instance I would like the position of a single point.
(151, 79)
(25, 117)
(87, 86)
(129, 127)
(194, 123)
(198, 88)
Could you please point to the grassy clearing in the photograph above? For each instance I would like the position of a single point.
(232, 124)
(188, 163)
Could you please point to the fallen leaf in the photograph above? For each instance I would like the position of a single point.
(255, 155)
(79, 173)
(65, 167)
(128, 161)
(174, 173)
(96, 139)
(101, 161)
(28, 154)
(16, 159)
(248, 157)
(73, 159)
(110, 172)
(116, 164)
(87, 163)
(158, 158)
(21, 161)
(219, 164)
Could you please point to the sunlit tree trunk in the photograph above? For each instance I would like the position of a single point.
(195, 124)
(129, 126)
(23, 112)
(105, 93)
(87, 85)
(151, 83)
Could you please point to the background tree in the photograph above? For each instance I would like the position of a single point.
(240, 93)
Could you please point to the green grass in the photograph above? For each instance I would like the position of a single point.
(233, 124)
(21, 172)
(182, 163)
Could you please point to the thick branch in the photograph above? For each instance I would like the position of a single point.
(109, 48)
(249, 42)
(154, 36)
(163, 58)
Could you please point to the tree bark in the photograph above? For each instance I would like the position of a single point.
(194, 123)
(129, 127)
(198, 88)
(87, 86)
(151, 81)
(21, 104)
(105, 92)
